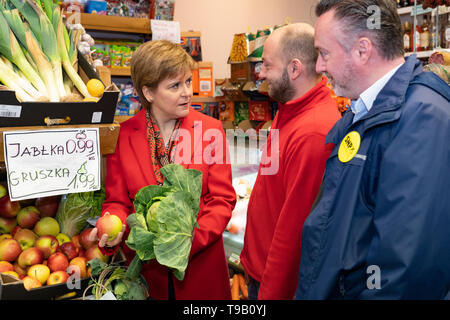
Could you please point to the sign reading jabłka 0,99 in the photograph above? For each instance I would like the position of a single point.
(42, 163)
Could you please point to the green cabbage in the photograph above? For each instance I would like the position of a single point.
(76, 208)
(163, 225)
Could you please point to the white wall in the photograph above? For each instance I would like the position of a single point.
(219, 20)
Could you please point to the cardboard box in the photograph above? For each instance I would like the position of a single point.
(240, 72)
(202, 79)
(19, 114)
(12, 289)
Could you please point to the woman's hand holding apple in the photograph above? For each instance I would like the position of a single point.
(103, 240)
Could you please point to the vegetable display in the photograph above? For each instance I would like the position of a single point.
(162, 227)
(37, 52)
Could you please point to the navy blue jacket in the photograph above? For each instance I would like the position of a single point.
(380, 227)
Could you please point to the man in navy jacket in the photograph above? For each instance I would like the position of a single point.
(379, 228)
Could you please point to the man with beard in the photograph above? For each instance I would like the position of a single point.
(280, 201)
(379, 229)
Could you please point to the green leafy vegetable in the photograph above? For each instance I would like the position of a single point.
(76, 208)
(163, 225)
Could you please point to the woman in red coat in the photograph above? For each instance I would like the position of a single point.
(161, 73)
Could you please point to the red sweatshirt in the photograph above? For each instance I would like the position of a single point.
(280, 203)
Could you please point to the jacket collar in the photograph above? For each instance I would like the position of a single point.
(139, 142)
(386, 107)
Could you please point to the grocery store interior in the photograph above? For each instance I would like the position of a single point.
(225, 38)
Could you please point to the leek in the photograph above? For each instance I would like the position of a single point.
(18, 76)
(7, 79)
(43, 65)
(11, 50)
(73, 75)
(49, 46)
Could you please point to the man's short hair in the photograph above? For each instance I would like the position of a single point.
(297, 41)
(376, 19)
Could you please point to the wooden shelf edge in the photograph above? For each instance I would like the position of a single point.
(110, 23)
(120, 71)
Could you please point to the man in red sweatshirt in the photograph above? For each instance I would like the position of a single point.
(281, 201)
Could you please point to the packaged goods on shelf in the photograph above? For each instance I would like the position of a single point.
(128, 104)
(211, 109)
(226, 110)
(128, 8)
(162, 9)
(240, 111)
(191, 43)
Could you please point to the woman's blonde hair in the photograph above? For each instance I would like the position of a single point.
(155, 61)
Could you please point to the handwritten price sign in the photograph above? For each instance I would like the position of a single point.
(44, 163)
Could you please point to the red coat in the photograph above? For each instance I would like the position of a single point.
(280, 203)
(129, 169)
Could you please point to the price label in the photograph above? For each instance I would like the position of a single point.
(166, 30)
(42, 163)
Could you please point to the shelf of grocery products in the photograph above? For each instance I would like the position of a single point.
(108, 134)
(111, 23)
(409, 10)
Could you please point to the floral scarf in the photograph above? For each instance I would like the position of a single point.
(160, 154)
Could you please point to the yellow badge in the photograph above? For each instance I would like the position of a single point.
(349, 146)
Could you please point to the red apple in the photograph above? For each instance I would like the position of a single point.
(81, 252)
(81, 264)
(14, 230)
(58, 262)
(28, 217)
(48, 206)
(31, 282)
(57, 277)
(76, 241)
(6, 266)
(85, 242)
(94, 252)
(29, 257)
(47, 244)
(9, 250)
(69, 249)
(109, 224)
(26, 238)
(20, 271)
(8, 208)
(7, 224)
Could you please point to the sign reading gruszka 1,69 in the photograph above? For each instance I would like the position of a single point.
(42, 163)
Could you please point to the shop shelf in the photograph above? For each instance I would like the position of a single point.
(114, 23)
(120, 71)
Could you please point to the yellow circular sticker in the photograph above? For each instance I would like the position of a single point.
(349, 146)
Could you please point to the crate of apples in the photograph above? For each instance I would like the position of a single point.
(37, 261)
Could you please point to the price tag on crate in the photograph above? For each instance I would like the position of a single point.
(42, 163)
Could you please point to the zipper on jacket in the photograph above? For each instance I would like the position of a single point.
(341, 285)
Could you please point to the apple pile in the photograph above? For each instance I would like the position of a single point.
(32, 248)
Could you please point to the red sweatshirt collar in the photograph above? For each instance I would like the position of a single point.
(305, 102)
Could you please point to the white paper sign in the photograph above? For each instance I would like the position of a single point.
(42, 163)
(166, 30)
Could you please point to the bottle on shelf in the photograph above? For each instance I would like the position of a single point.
(414, 38)
(407, 37)
(425, 36)
(445, 37)
(434, 36)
